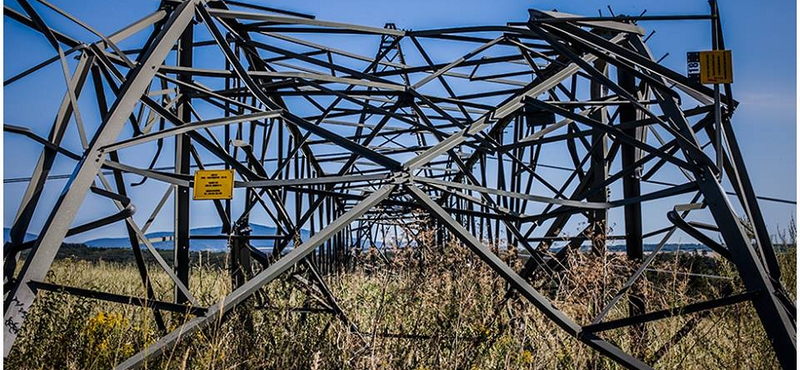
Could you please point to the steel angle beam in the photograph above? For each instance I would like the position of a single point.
(191, 126)
(295, 20)
(553, 16)
(663, 314)
(118, 298)
(312, 181)
(504, 193)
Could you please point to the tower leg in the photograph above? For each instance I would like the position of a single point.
(631, 188)
(21, 296)
(182, 166)
(776, 321)
(598, 219)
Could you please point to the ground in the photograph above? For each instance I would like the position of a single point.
(432, 308)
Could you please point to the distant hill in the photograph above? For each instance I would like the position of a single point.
(163, 239)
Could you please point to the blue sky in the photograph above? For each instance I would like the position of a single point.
(763, 43)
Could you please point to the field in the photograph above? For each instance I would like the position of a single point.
(431, 308)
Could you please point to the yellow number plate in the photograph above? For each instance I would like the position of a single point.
(213, 184)
(716, 67)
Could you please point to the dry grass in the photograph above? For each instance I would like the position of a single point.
(443, 296)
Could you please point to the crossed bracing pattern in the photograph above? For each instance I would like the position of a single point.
(323, 138)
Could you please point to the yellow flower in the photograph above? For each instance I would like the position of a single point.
(102, 329)
(527, 357)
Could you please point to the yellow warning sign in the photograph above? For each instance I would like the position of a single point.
(213, 184)
(716, 67)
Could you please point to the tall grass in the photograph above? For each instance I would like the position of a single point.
(432, 307)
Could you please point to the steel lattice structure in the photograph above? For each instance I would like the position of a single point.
(358, 143)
